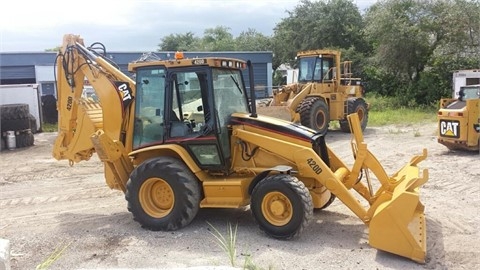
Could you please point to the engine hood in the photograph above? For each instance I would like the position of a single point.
(275, 125)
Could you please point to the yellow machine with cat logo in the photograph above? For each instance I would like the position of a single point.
(325, 91)
(459, 120)
(184, 135)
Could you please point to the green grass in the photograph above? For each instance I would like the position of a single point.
(386, 111)
(228, 242)
(400, 116)
(53, 257)
(48, 127)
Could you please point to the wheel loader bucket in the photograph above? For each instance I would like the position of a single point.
(398, 224)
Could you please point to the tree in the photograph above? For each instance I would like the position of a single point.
(318, 25)
(461, 29)
(56, 49)
(412, 41)
(218, 39)
(179, 42)
(251, 40)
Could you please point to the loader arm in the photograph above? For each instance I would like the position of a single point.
(395, 216)
(86, 126)
(295, 100)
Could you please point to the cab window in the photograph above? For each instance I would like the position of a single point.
(229, 96)
(149, 100)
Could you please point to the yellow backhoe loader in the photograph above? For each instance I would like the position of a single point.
(325, 91)
(184, 135)
(459, 120)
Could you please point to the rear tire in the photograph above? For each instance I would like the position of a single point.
(314, 114)
(20, 140)
(15, 124)
(24, 138)
(3, 145)
(33, 123)
(30, 139)
(359, 106)
(281, 205)
(163, 194)
(14, 111)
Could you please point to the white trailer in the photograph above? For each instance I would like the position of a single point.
(26, 94)
(463, 78)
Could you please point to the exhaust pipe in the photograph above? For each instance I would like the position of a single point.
(253, 98)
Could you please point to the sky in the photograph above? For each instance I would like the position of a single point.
(129, 25)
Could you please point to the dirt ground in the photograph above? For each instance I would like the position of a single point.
(46, 205)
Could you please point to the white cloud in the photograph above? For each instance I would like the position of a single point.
(33, 15)
(129, 24)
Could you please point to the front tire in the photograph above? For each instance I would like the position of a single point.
(163, 194)
(359, 106)
(281, 205)
(314, 114)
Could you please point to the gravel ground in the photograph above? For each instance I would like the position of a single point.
(46, 205)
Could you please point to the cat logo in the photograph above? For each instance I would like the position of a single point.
(450, 128)
(125, 93)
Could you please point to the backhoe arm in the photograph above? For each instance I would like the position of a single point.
(82, 120)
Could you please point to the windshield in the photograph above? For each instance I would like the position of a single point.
(306, 67)
(229, 97)
(470, 92)
(315, 68)
(229, 93)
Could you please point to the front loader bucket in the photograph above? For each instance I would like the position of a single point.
(398, 224)
(396, 217)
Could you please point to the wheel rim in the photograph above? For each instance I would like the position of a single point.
(277, 208)
(320, 120)
(156, 197)
(361, 114)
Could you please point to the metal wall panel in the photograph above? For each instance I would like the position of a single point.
(20, 67)
(17, 72)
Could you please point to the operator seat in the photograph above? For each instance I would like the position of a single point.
(153, 132)
(178, 128)
(174, 117)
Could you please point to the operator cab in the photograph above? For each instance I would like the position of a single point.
(315, 68)
(469, 92)
(466, 93)
(189, 105)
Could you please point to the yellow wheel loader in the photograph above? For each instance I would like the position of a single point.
(325, 91)
(183, 135)
(459, 120)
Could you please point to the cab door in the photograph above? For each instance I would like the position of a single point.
(191, 122)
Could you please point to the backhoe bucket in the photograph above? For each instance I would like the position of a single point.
(398, 224)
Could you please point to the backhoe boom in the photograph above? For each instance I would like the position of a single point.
(81, 118)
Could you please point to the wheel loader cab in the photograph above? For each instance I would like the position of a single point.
(316, 68)
(191, 107)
